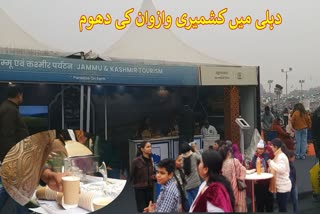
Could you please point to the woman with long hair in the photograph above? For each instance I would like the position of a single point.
(301, 122)
(215, 193)
(279, 167)
(179, 171)
(142, 176)
(232, 169)
(181, 183)
(190, 160)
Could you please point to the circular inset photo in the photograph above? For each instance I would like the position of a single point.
(58, 170)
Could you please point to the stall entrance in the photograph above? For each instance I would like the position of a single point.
(53, 106)
(115, 113)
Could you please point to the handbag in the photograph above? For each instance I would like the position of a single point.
(240, 183)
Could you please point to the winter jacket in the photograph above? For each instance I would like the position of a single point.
(142, 173)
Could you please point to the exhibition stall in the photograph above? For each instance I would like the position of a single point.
(108, 97)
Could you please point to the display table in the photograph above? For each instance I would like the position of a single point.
(110, 188)
(255, 177)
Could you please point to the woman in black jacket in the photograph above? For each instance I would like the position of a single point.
(143, 176)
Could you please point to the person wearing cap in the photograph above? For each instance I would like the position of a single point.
(264, 198)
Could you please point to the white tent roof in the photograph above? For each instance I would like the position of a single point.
(12, 36)
(161, 45)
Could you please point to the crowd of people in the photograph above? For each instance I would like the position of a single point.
(194, 181)
(293, 130)
(207, 181)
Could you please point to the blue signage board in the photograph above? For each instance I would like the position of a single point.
(56, 69)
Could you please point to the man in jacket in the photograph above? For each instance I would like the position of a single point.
(12, 130)
(12, 127)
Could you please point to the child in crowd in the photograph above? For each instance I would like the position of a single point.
(293, 178)
(169, 198)
(264, 198)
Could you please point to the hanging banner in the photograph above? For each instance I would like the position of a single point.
(50, 69)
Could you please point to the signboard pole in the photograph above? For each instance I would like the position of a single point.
(88, 108)
(62, 107)
(105, 116)
(81, 106)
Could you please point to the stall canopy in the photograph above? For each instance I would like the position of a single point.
(13, 36)
(141, 56)
(160, 45)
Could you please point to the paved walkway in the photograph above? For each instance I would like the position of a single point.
(303, 176)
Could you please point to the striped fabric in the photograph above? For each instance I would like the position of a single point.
(230, 168)
(169, 198)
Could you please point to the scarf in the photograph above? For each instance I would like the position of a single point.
(237, 153)
(217, 195)
(272, 185)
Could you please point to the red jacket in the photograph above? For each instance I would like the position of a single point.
(217, 195)
(277, 127)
